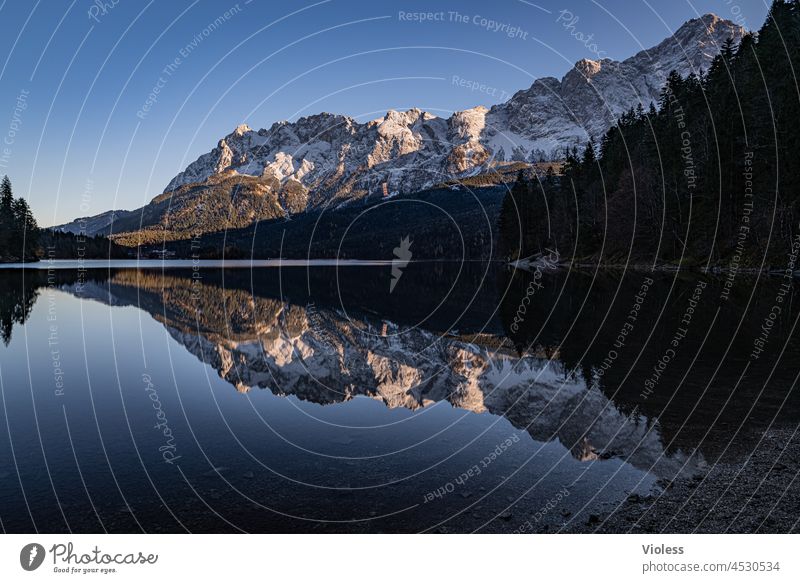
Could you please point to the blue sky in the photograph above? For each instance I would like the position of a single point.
(79, 136)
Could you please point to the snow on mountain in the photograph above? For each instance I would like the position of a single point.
(588, 100)
(411, 150)
(329, 159)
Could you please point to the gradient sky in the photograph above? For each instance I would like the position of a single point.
(75, 75)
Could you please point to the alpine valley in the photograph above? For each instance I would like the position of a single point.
(456, 166)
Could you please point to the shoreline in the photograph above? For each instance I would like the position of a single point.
(289, 262)
(758, 493)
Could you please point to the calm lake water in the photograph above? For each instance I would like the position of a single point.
(321, 398)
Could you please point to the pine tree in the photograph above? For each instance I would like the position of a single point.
(6, 215)
(6, 194)
(6, 199)
(23, 217)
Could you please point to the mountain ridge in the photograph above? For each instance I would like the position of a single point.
(326, 160)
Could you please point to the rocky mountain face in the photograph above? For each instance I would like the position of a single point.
(328, 160)
(587, 101)
(414, 149)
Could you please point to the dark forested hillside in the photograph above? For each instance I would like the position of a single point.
(709, 175)
(453, 223)
(58, 245)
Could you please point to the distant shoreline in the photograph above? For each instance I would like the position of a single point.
(187, 263)
(175, 263)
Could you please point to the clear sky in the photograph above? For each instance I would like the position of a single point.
(81, 136)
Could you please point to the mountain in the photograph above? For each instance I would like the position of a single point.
(589, 99)
(328, 160)
(93, 225)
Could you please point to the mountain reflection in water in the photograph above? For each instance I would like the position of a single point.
(448, 335)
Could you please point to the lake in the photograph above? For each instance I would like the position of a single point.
(348, 397)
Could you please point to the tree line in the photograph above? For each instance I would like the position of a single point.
(21, 239)
(709, 175)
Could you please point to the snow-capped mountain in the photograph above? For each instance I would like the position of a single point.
(589, 99)
(329, 159)
(414, 149)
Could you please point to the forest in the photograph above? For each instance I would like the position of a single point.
(22, 241)
(709, 176)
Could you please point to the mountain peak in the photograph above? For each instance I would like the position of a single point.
(408, 114)
(241, 129)
(588, 67)
(708, 25)
(710, 20)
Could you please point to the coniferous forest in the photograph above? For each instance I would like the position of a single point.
(21, 239)
(708, 176)
(19, 234)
